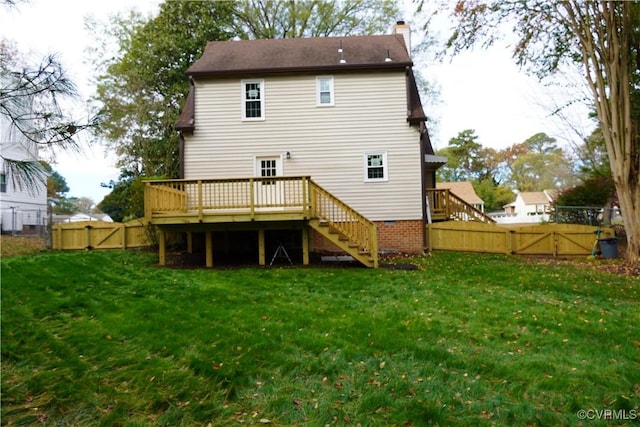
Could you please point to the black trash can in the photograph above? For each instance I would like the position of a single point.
(609, 247)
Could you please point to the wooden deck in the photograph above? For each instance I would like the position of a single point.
(227, 200)
(263, 202)
(188, 203)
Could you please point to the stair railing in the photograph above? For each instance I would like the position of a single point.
(346, 220)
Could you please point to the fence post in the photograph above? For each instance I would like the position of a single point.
(509, 235)
(88, 237)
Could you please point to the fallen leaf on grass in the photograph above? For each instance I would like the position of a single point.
(486, 414)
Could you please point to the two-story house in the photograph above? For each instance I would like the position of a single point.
(323, 135)
(528, 207)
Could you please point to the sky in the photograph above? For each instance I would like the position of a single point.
(482, 90)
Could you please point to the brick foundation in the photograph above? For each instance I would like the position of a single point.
(398, 236)
(402, 236)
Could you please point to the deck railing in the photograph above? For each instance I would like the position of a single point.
(248, 195)
(445, 205)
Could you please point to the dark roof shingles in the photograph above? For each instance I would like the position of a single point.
(287, 55)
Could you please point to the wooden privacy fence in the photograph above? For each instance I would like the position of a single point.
(100, 235)
(544, 239)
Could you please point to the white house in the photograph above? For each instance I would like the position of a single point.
(80, 217)
(23, 206)
(529, 207)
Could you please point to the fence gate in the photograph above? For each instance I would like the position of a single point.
(547, 239)
(100, 235)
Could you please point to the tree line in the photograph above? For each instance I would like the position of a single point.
(539, 163)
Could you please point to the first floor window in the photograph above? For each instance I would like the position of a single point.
(376, 167)
(3, 183)
(253, 100)
(268, 167)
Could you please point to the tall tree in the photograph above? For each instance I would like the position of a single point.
(592, 156)
(604, 38)
(466, 149)
(272, 19)
(142, 88)
(539, 165)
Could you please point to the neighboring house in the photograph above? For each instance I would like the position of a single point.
(24, 207)
(529, 207)
(343, 111)
(465, 191)
(80, 217)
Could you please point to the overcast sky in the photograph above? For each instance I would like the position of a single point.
(481, 90)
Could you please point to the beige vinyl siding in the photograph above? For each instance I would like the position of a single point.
(327, 143)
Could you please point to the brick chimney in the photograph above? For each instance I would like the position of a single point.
(401, 27)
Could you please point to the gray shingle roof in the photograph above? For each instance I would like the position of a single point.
(300, 54)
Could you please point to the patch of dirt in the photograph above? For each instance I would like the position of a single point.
(20, 245)
(626, 269)
(613, 266)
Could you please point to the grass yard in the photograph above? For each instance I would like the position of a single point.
(108, 338)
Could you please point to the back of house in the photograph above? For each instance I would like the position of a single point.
(344, 111)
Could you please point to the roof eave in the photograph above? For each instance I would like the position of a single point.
(289, 70)
(416, 120)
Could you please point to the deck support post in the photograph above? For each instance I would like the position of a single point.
(189, 242)
(209, 248)
(162, 248)
(305, 245)
(261, 247)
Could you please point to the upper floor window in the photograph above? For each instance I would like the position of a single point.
(324, 90)
(375, 166)
(253, 99)
(3, 183)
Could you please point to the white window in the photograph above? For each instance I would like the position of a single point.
(324, 90)
(376, 167)
(253, 100)
(268, 167)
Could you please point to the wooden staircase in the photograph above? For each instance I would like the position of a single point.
(446, 206)
(343, 226)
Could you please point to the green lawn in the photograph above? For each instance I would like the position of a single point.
(108, 338)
